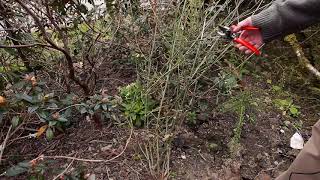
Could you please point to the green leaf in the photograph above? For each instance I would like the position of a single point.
(83, 27)
(19, 85)
(53, 106)
(96, 107)
(44, 114)
(83, 110)
(32, 178)
(25, 164)
(32, 109)
(68, 112)
(15, 121)
(48, 96)
(38, 89)
(25, 97)
(294, 111)
(20, 168)
(138, 123)
(269, 81)
(62, 119)
(105, 107)
(91, 111)
(1, 117)
(68, 100)
(49, 134)
(276, 88)
(52, 123)
(203, 105)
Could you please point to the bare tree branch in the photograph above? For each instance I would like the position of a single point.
(24, 45)
(64, 50)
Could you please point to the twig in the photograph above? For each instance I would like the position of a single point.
(64, 50)
(292, 40)
(90, 160)
(270, 169)
(202, 155)
(24, 45)
(3, 145)
(69, 107)
(64, 171)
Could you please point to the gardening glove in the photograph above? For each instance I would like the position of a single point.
(253, 37)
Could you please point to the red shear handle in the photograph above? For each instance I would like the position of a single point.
(248, 45)
(248, 28)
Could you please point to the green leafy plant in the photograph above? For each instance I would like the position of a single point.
(54, 112)
(101, 105)
(35, 169)
(192, 118)
(287, 106)
(29, 97)
(136, 105)
(226, 82)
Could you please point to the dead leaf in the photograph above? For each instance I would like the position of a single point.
(41, 130)
(56, 115)
(166, 137)
(90, 176)
(263, 176)
(3, 101)
(33, 81)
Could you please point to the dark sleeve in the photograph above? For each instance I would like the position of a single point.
(287, 16)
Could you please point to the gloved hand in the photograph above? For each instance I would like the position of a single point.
(253, 37)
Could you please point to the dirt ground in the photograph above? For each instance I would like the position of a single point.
(198, 152)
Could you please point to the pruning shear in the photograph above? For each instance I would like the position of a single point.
(227, 33)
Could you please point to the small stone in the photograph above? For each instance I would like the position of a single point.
(202, 117)
(259, 156)
(98, 170)
(282, 131)
(287, 123)
(183, 156)
(293, 152)
(267, 100)
(106, 148)
(276, 163)
(212, 146)
(263, 176)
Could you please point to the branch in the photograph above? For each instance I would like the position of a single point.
(292, 40)
(64, 50)
(3, 145)
(40, 25)
(90, 160)
(63, 172)
(24, 45)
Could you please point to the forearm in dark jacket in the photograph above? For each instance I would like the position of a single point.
(287, 16)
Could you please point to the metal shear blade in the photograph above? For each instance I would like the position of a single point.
(225, 32)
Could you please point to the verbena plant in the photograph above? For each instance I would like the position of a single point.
(183, 65)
